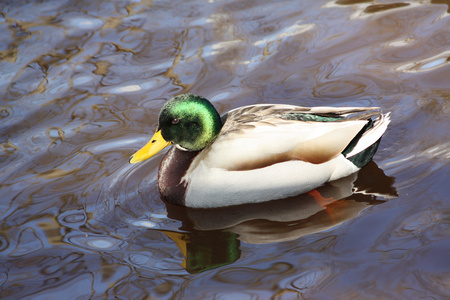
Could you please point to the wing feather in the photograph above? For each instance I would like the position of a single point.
(255, 136)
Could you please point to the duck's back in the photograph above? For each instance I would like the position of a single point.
(257, 136)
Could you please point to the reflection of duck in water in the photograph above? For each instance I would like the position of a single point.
(212, 235)
(293, 217)
(257, 153)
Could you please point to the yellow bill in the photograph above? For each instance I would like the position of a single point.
(156, 144)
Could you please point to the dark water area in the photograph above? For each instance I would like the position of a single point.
(81, 86)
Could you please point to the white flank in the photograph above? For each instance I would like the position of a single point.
(215, 187)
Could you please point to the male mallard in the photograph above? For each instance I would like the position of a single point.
(257, 152)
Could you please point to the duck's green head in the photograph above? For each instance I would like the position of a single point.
(187, 120)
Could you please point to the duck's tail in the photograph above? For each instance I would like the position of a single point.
(363, 147)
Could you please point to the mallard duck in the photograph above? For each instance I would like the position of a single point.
(259, 152)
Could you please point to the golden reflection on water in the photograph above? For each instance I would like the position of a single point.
(81, 88)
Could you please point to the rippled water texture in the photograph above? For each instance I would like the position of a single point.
(82, 83)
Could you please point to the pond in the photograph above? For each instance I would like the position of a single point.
(82, 83)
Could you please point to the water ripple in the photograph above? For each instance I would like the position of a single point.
(428, 64)
(81, 86)
(94, 242)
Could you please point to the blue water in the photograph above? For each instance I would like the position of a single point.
(81, 86)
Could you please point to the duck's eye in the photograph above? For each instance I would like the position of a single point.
(175, 121)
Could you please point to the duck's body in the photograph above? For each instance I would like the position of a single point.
(261, 152)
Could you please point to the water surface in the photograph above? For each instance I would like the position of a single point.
(82, 83)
